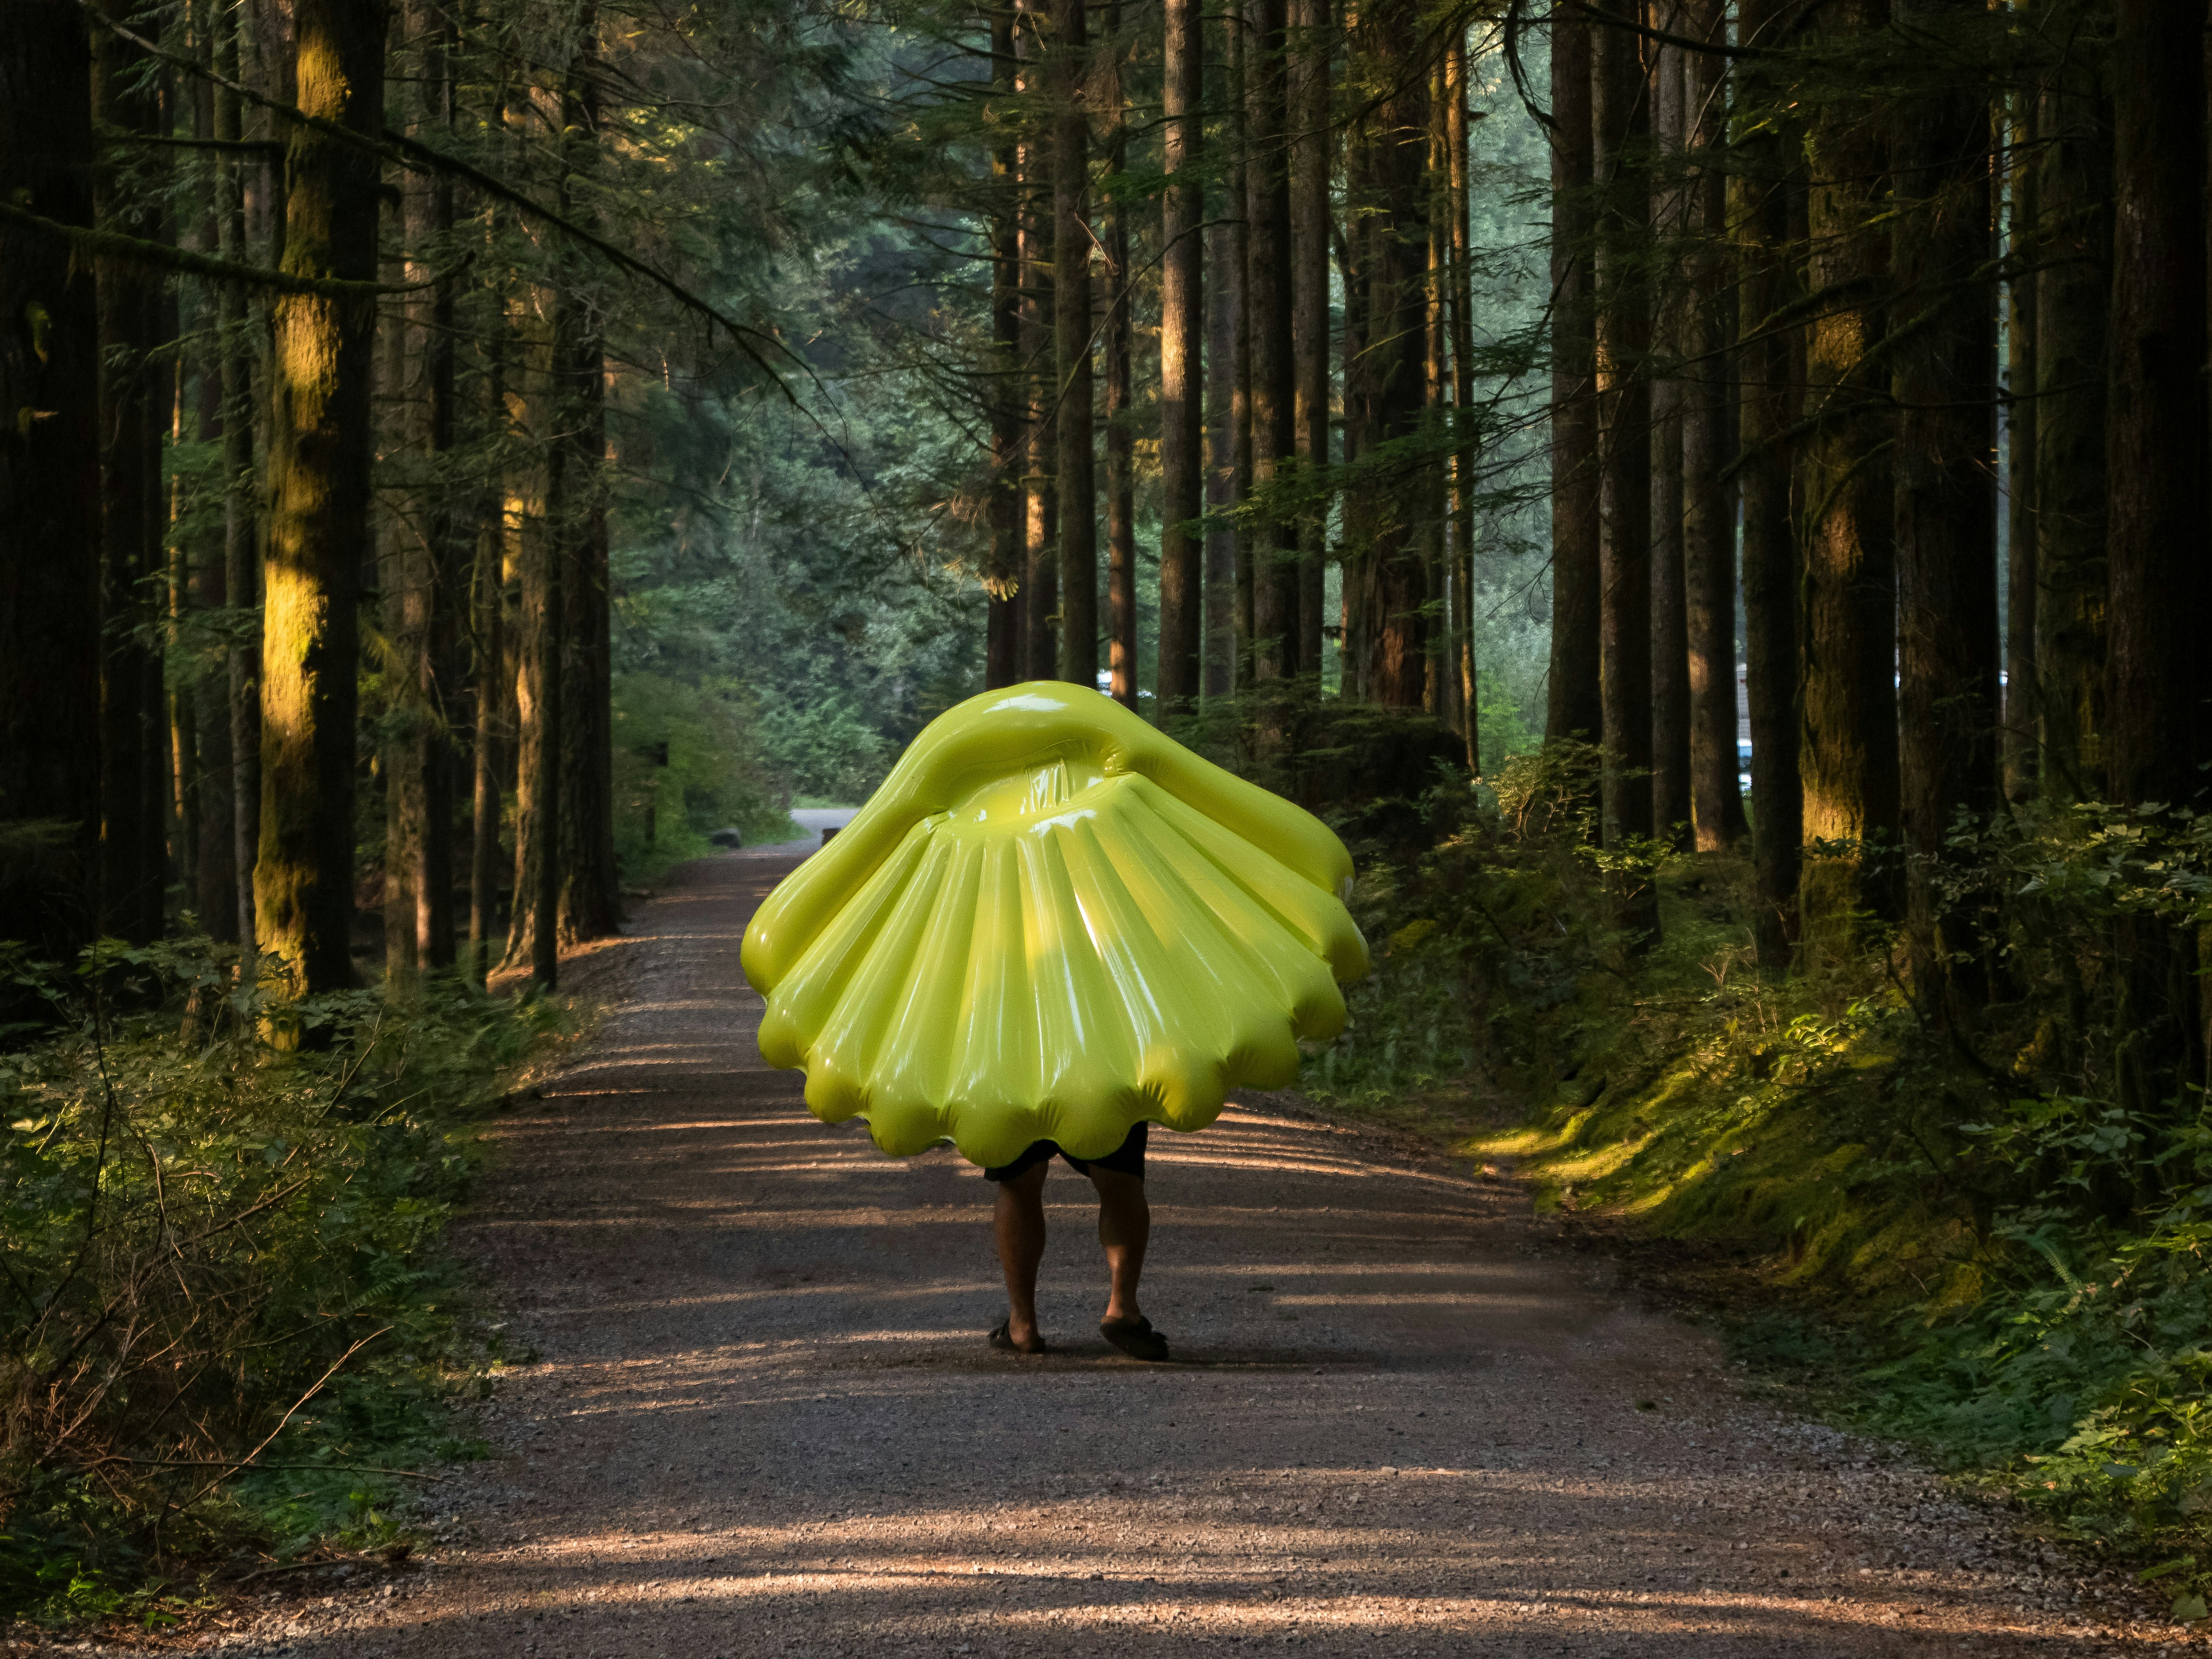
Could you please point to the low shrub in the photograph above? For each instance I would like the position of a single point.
(227, 1319)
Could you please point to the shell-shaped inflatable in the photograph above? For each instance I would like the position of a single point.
(1050, 923)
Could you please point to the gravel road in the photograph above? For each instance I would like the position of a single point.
(1402, 1421)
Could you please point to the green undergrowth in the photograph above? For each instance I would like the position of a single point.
(1951, 1229)
(229, 1326)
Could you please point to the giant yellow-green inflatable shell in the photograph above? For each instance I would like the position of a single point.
(1049, 923)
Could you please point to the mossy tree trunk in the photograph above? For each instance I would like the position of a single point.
(319, 503)
(1848, 752)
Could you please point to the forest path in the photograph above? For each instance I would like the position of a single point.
(765, 1421)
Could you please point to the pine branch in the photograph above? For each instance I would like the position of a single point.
(136, 250)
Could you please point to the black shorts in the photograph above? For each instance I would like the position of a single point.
(1127, 1159)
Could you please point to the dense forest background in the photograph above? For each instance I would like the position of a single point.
(463, 454)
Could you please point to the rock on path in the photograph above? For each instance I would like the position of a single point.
(765, 1422)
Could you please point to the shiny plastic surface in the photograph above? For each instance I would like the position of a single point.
(1050, 922)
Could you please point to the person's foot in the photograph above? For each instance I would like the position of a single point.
(1004, 1342)
(1135, 1338)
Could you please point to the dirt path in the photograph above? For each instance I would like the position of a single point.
(765, 1421)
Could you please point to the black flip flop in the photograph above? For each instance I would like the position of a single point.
(1002, 1340)
(1135, 1338)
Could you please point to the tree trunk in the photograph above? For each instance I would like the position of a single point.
(50, 496)
(1621, 122)
(1269, 306)
(533, 934)
(1381, 516)
(318, 505)
(2073, 298)
(1310, 305)
(1460, 291)
(1182, 316)
(241, 537)
(448, 543)
(488, 600)
(1121, 439)
(1225, 326)
(1041, 505)
(2156, 737)
(1002, 582)
(2022, 697)
(591, 889)
(1073, 390)
(1236, 30)
(1571, 704)
(1350, 247)
(1670, 638)
(1438, 690)
(1849, 641)
(130, 902)
(1943, 376)
(1707, 531)
(1764, 369)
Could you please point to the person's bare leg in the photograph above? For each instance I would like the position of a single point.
(1017, 1222)
(1124, 1222)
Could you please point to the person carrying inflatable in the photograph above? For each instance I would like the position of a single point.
(1051, 928)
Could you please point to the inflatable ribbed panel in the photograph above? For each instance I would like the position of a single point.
(1049, 923)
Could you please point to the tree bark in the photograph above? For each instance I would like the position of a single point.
(50, 499)
(1309, 261)
(319, 507)
(533, 934)
(1002, 579)
(2022, 696)
(1381, 521)
(2156, 737)
(1074, 391)
(489, 602)
(130, 897)
(1121, 441)
(1670, 638)
(241, 539)
(1182, 314)
(2073, 298)
(1572, 707)
(1040, 618)
(1943, 377)
(1236, 36)
(1765, 370)
(1225, 326)
(1460, 288)
(1708, 530)
(1621, 121)
(1439, 694)
(448, 543)
(1848, 750)
(1269, 303)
